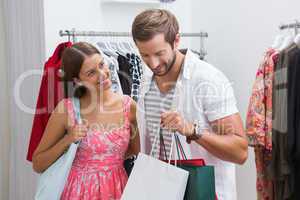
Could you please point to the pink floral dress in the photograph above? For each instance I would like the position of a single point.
(97, 172)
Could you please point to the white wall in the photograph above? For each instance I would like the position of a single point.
(239, 33)
(93, 15)
(4, 129)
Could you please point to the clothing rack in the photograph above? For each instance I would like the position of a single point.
(72, 34)
(295, 25)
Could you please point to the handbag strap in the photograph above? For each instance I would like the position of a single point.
(177, 149)
(76, 107)
(178, 143)
(162, 143)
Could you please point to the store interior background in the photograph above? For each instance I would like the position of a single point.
(239, 33)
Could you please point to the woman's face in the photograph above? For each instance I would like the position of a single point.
(95, 74)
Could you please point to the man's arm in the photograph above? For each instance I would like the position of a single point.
(228, 140)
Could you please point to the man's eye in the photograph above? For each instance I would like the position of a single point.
(160, 54)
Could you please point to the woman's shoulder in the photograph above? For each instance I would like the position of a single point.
(63, 106)
(130, 107)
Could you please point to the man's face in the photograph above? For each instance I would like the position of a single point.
(158, 54)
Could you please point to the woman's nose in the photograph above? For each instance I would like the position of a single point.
(102, 73)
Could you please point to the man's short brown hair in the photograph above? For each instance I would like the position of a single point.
(152, 22)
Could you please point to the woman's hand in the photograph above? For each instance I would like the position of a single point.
(76, 133)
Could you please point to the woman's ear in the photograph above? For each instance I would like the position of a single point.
(76, 81)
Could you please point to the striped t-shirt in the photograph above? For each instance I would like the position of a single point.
(155, 104)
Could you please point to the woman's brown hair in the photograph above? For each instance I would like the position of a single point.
(72, 60)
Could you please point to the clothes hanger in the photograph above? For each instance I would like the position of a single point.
(110, 44)
(278, 41)
(126, 47)
(120, 47)
(107, 48)
(297, 38)
(288, 40)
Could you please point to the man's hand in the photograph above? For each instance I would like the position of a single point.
(173, 121)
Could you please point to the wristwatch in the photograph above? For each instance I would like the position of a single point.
(197, 134)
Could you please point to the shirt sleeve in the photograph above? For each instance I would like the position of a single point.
(218, 98)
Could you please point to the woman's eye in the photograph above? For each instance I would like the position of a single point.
(101, 65)
(91, 73)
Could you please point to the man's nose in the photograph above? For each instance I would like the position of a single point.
(153, 63)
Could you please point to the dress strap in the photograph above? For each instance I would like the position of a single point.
(126, 108)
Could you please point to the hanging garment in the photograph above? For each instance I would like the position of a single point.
(51, 92)
(113, 68)
(293, 104)
(135, 71)
(97, 171)
(279, 169)
(264, 185)
(259, 123)
(259, 116)
(201, 55)
(124, 74)
(294, 117)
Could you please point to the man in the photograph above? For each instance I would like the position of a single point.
(182, 94)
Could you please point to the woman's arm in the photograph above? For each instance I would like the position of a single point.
(54, 141)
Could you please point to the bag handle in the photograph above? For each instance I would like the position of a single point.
(171, 149)
(76, 107)
(163, 143)
(180, 147)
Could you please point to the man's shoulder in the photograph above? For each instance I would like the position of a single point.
(204, 71)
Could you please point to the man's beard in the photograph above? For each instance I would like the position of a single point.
(168, 67)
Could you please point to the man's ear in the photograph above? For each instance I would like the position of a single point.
(176, 41)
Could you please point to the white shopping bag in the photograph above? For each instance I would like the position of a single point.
(152, 179)
(52, 181)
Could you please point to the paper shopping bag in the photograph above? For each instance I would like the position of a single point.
(201, 182)
(154, 179)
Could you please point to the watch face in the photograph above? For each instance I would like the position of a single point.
(198, 130)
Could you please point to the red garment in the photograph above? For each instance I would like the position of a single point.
(51, 92)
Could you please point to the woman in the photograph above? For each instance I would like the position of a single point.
(108, 133)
